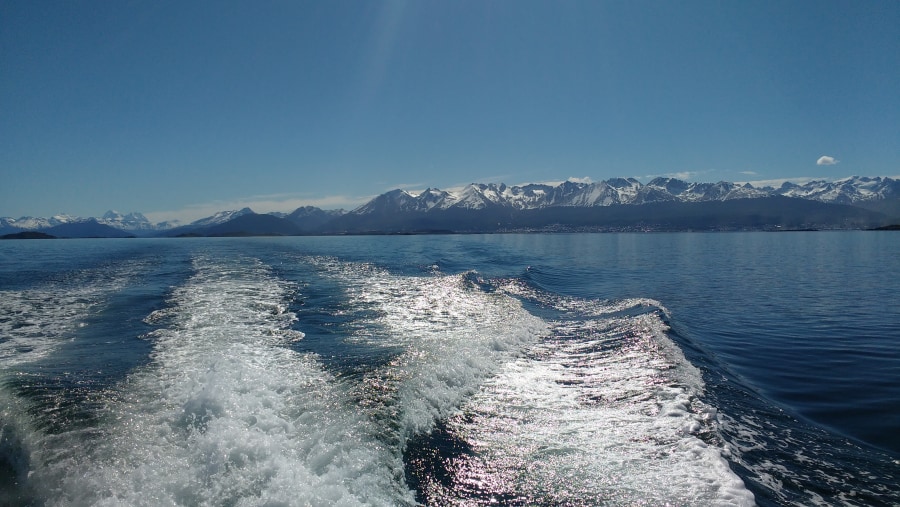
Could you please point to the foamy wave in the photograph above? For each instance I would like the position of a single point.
(227, 415)
(606, 409)
(35, 322)
(822, 477)
(453, 333)
(603, 405)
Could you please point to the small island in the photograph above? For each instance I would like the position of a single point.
(28, 235)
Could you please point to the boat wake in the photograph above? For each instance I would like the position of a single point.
(484, 391)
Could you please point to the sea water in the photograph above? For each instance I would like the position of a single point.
(568, 369)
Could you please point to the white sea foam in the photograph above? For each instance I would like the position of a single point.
(453, 334)
(225, 414)
(606, 410)
(769, 452)
(601, 406)
(34, 322)
(604, 406)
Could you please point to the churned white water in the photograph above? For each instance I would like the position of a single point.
(606, 411)
(603, 407)
(226, 414)
(596, 406)
(452, 333)
(37, 321)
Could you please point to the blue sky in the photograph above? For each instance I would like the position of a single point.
(178, 109)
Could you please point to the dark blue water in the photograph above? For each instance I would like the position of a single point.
(578, 369)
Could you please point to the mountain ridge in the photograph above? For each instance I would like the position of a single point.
(875, 194)
(853, 190)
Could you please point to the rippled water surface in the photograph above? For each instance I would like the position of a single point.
(605, 369)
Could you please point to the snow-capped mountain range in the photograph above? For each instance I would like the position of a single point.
(867, 192)
(854, 190)
(133, 221)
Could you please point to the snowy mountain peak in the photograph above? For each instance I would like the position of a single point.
(395, 200)
(133, 221)
(35, 223)
(221, 217)
(479, 196)
(852, 190)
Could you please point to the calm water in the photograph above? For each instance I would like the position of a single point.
(597, 369)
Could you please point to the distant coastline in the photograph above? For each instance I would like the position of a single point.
(28, 235)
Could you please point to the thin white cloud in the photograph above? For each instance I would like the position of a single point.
(459, 185)
(552, 183)
(749, 173)
(800, 180)
(778, 182)
(284, 203)
(682, 175)
(556, 183)
(827, 160)
(406, 186)
(499, 178)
